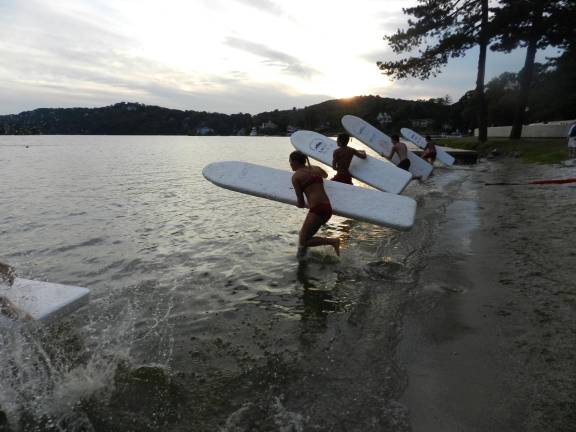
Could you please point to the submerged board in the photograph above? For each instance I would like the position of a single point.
(377, 173)
(44, 301)
(441, 154)
(382, 144)
(380, 208)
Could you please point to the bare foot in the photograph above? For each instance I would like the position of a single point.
(336, 246)
(7, 309)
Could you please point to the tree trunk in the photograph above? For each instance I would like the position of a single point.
(525, 81)
(527, 72)
(481, 100)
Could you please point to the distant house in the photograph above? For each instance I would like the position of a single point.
(291, 129)
(268, 125)
(422, 123)
(204, 130)
(384, 118)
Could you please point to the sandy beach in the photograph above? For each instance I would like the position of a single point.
(490, 344)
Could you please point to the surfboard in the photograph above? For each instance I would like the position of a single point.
(420, 141)
(382, 144)
(44, 301)
(368, 205)
(377, 173)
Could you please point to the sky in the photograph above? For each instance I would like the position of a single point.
(225, 56)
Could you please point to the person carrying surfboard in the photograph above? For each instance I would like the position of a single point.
(429, 154)
(308, 181)
(342, 158)
(401, 150)
(572, 142)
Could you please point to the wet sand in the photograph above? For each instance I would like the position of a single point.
(489, 344)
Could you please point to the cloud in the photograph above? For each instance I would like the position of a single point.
(244, 97)
(272, 57)
(265, 6)
(390, 23)
(376, 55)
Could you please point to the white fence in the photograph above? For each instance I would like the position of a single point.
(557, 129)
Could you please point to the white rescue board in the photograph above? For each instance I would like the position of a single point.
(380, 208)
(441, 154)
(44, 301)
(382, 144)
(377, 173)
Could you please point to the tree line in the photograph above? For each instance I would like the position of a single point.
(138, 119)
(445, 29)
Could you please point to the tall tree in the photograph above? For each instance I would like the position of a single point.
(446, 29)
(534, 24)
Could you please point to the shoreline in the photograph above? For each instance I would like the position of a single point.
(492, 349)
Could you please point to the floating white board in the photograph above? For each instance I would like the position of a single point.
(44, 301)
(380, 208)
(377, 173)
(382, 144)
(420, 141)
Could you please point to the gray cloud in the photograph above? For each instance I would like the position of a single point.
(389, 24)
(264, 5)
(272, 57)
(241, 97)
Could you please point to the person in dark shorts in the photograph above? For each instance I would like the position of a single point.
(572, 142)
(401, 150)
(7, 276)
(308, 181)
(342, 158)
(429, 154)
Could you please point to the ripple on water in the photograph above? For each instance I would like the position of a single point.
(201, 317)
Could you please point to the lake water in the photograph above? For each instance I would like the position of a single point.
(201, 318)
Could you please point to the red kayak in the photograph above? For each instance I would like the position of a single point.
(536, 182)
(555, 181)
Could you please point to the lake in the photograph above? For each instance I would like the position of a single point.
(201, 318)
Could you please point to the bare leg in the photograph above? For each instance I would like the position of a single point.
(311, 225)
(8, 309)
(7, 274)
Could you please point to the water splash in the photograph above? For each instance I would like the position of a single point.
(272, 415)
(49, 374)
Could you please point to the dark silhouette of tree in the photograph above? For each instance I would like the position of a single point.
(446, 29)
(534, 24)
(138, 119)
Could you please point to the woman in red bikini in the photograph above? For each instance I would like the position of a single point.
(308, 180)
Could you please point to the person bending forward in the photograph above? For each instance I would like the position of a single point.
(309, 181)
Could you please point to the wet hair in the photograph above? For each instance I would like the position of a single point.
(395, 138)
(343, 139)
(428, 138)
(299, 157)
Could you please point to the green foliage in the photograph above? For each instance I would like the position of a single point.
(137, 119)
(445, 29)
(543, 22)
(552, 96)
(535, 24)
(121, 119)
(534, 150)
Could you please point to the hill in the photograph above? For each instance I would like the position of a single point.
(137, 119)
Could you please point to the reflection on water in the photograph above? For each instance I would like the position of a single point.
(201, 316)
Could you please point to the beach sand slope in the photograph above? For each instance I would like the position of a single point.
(490, 341)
